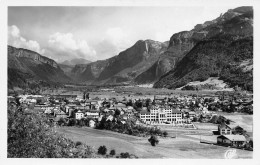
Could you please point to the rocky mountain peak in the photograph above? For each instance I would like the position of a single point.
(156, 44)
(25, 53)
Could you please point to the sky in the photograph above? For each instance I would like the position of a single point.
(97, 33)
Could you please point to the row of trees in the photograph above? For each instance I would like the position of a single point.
(102, 150)
(138, 104)
(216, 119)
(73, 122)
(231, 108)
(219, 120)
(129, 128)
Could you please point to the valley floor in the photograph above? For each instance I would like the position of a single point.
(182, 147)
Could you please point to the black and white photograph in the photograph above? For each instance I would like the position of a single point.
(130, 81)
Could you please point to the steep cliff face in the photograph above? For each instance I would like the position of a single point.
(25, 66)
(160, 67)
(133, 61)
(123, 67)
(87, 73)
(225, 43)
(23, 53)
(181, 41)
(179, 44)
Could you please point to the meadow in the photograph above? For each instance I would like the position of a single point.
(180, 147)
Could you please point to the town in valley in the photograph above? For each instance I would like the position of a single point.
(130, 82)
(216, 121)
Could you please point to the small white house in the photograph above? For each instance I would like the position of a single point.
(92, 123)
(110, 117)
(33, 101)
(79, 115)
(47, 111)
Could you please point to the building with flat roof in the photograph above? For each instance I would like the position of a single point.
(161, 114)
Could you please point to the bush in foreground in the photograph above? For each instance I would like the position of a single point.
(125, 155)
(153, 140)
(112, 152)
(30, 135)
(102, 150)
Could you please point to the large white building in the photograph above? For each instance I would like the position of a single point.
(161, 114)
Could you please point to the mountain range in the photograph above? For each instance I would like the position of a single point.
(221, 48)
(124, 67)
(27, 68)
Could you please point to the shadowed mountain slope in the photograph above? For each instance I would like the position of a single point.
(227, 42)
(26, 66)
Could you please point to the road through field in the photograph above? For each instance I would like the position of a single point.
(181, 147)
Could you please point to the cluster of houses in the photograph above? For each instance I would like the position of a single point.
(176, 110)
(160, 110)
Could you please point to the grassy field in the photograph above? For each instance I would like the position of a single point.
(182, 147)
(206, 126)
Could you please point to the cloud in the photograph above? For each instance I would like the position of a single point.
(15, 39)
(118, 38)
(64, 45)
(105, 49)
(114, 41)
(163, 35)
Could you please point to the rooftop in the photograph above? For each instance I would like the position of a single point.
(144, 112)
(176, 111)
(234, 137)
(223, 126)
